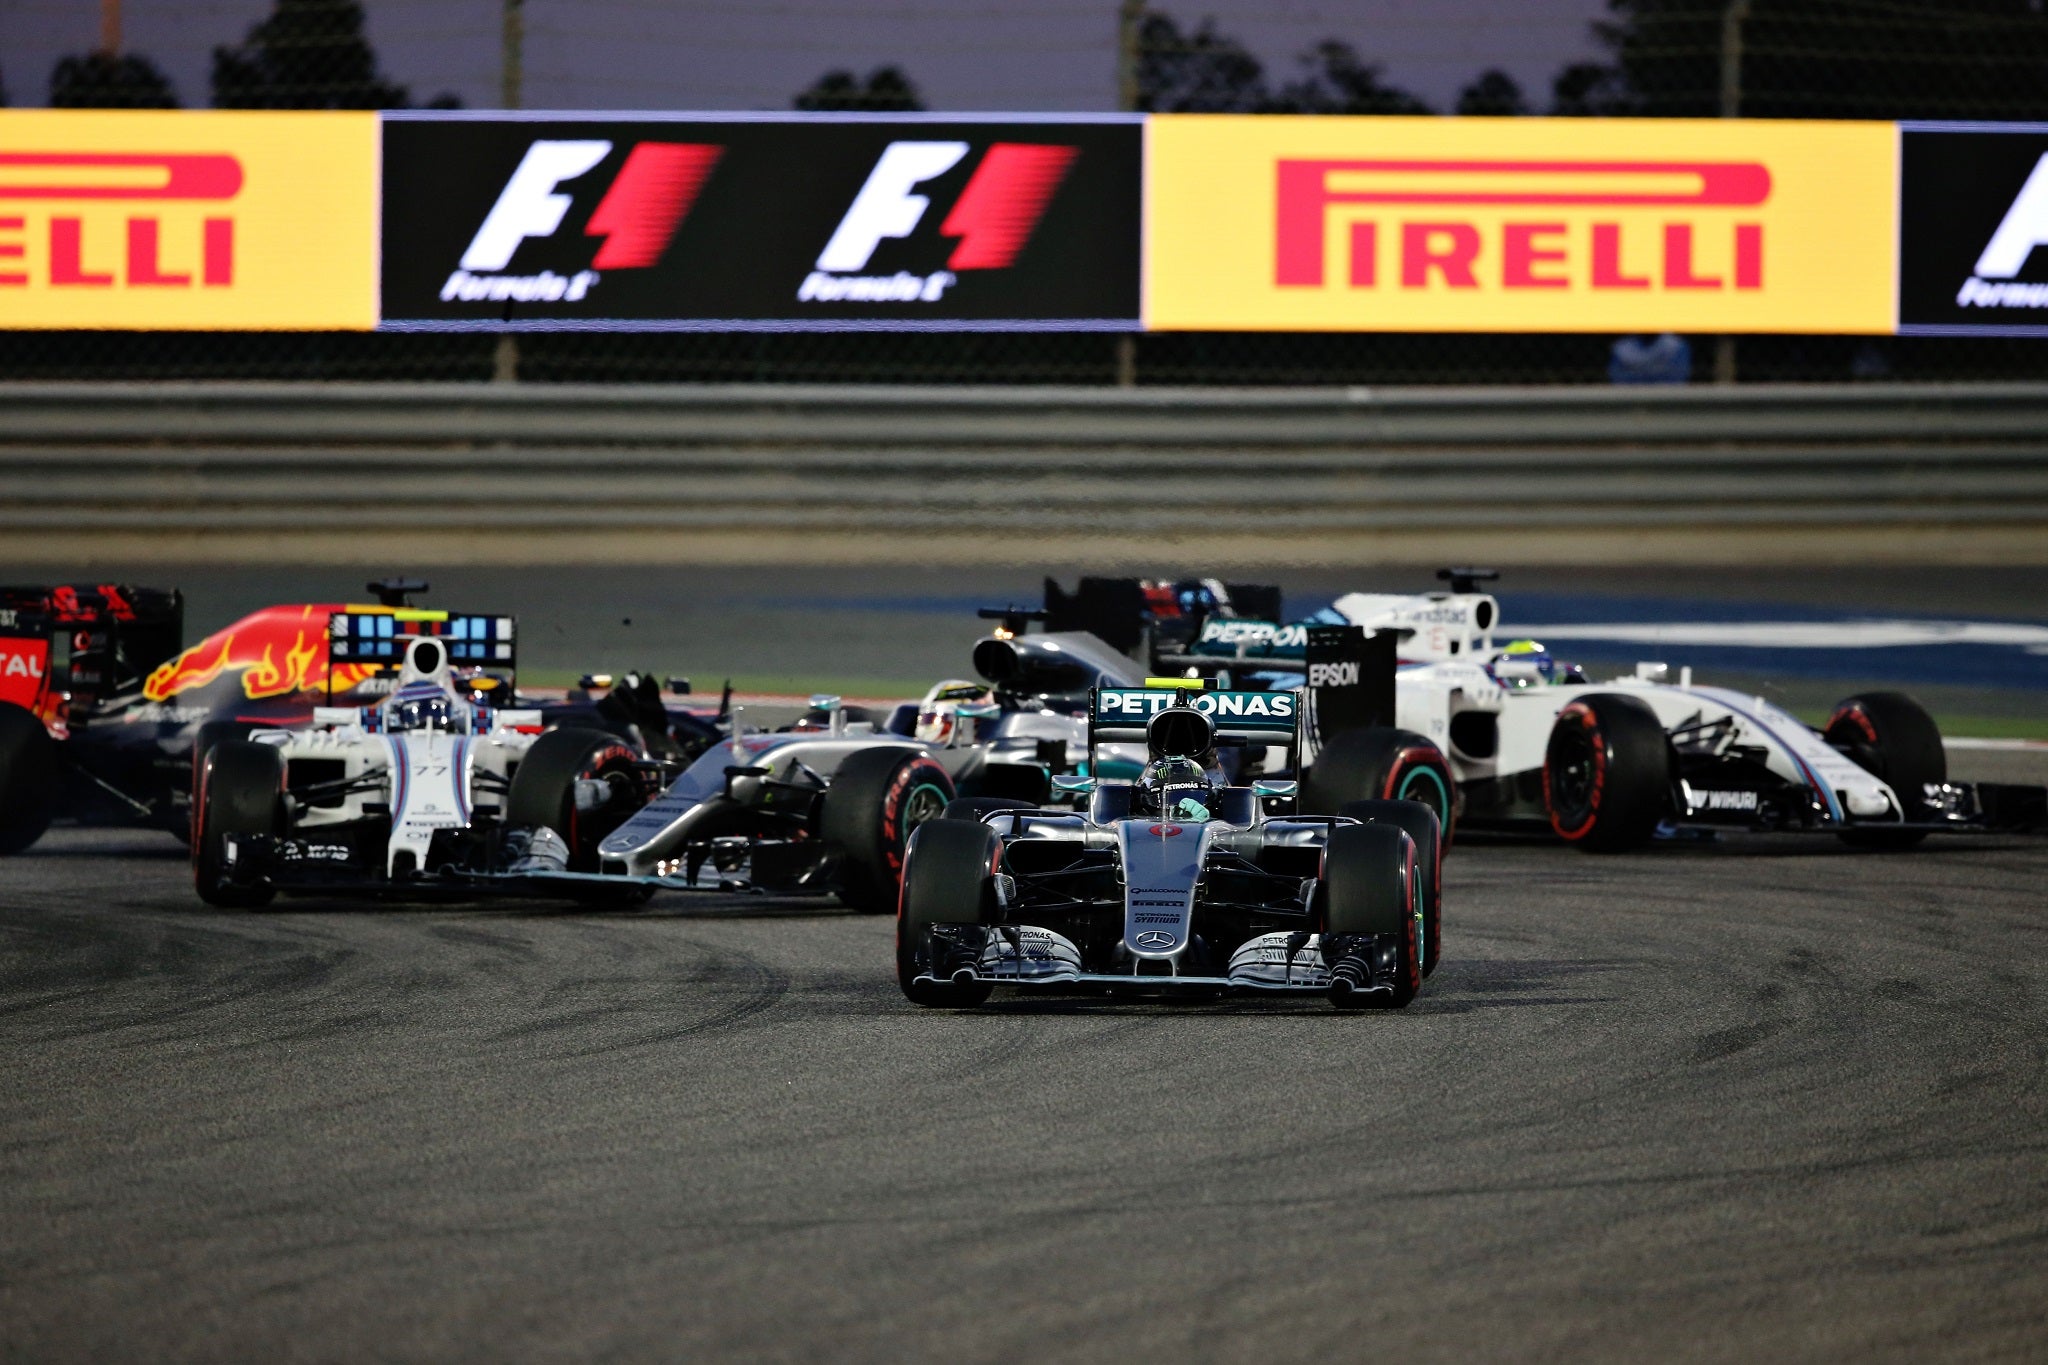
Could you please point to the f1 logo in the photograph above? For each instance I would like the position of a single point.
(637, 217)
(2024, 227)
(993, 218)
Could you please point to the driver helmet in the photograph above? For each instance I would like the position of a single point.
(938, 716)
(425, 708)
(1176, 789)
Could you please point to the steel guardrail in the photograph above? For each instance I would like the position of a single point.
(232, 459)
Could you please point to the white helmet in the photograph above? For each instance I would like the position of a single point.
(938, 717)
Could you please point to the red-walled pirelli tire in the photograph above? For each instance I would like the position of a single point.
(1369, 890)
(1381, 764)
(1607, 773)
(241, 791)
(543, 790)
(1419, 822)
(877, 798)
(945, 881)
(28, 778)
(1890, 736)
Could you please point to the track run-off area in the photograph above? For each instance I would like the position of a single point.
(1762, 1099)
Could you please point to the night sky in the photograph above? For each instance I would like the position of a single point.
(684, 54)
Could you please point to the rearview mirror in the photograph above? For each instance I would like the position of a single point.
(1077, 786)
(1263, 787)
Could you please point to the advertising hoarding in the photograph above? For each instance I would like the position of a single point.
(1518, 225)
(698, 223)
(1973, 206)
(120, 219)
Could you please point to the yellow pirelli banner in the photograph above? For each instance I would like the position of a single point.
(1519, 225)
(188, 220)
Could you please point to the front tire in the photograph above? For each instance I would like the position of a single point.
(1381, 764)
(1891, 736)
(543, 790)
(877, 799)
(1419, 823)
(28, 778)
(241, 792)
(1369, 896)
(945, 881)
(1607, 773)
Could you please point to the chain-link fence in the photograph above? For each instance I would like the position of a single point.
(1859, 59)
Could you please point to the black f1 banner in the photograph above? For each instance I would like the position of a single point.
(498, 223)
(1973, 208)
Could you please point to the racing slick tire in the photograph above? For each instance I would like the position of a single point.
(1419, 822)
(945, 881)
(241, 791)
(210, 733)
(978, 807)
(1381, 764)
(876, 800)
(28, 778)
(1892, 737)
(543, 792)
(1607, 773)
(1369, 892)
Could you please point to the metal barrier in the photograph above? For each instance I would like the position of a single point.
(508, 473)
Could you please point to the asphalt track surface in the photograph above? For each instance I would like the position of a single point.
(1766, 1100)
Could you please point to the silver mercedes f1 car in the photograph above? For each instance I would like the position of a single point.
(1174, 882)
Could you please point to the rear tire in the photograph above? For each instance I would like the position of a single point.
(877, 799)
(241, 792)
(28, 778)
(945, 881)
(1607, 773)
(1420, 824)
(1890, 736)
(1381, 764)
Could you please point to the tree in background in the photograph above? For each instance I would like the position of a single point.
(887, 91)
(1587, 89)
(308, 54)
(1195, 73)
(105, 80)
(1877, 59)
(1207, 72)
(1494, 94)
(1335, 80)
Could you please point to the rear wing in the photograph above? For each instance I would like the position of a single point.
(1117, 715)
(1348, 671)
(376, 637)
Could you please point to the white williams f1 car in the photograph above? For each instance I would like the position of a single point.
(1502, 734)
(1175, 882)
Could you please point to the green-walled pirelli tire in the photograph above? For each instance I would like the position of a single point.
(946, 875)
(1381, 764)
(878, 797)
(1420, 824)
